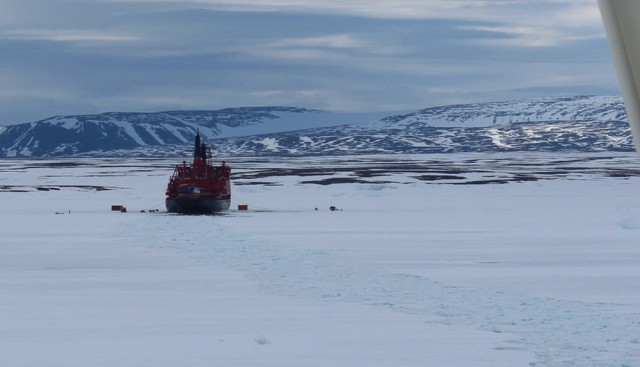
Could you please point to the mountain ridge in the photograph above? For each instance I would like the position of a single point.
(579, 123)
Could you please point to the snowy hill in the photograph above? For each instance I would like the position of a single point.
(103, 133)
(580, 108)
(593, 136)
(582, 123)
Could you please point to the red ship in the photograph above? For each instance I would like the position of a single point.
(199, 187)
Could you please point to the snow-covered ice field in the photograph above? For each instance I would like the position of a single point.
(449, 260)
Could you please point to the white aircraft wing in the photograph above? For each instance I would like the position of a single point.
(622, 23)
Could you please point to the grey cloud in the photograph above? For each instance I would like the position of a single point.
(72, 56)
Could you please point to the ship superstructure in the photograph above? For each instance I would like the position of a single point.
(199, 187)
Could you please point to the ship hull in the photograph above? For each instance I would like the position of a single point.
(196, 205)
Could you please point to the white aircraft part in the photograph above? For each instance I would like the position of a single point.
(621, 21)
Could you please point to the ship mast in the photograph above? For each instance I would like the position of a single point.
(196, 149)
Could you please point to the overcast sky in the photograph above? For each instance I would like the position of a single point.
(62, 57)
